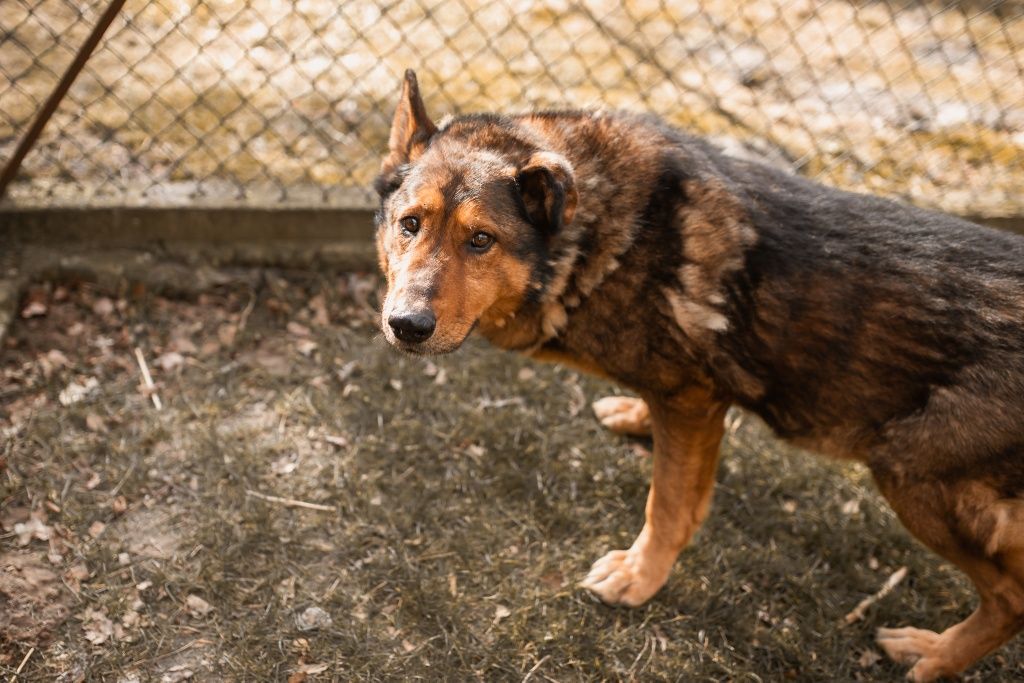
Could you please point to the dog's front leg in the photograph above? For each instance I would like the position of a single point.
(687, 432)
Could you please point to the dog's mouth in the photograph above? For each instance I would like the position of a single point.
(436, 345)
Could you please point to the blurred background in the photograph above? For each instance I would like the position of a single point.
(264, 102)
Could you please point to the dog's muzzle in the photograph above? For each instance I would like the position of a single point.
(413, 327)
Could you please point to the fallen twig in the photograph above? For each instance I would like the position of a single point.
(148, 379)
(291, 502)
(529, 674)
(244, 317)
(22, 665)
(858, 612)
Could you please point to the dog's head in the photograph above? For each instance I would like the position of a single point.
(464, 228)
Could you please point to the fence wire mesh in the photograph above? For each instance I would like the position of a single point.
(266, 102)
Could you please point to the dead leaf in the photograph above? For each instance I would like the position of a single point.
(95, 423)
(500, 612)
(313, 619)
(318, 304)
(34, 528)
(197, 607)
(75, 392)
(34, 309)
(284, 465)
(103, 306)
(286, 590)
(58, 358)
(553, 580)
(170, 361)
(176, 674)
(209, 348)
(868, 659)
(98, 628)
(78, 572)
(347, 371)
(297, 329)
(313, 669)
(339, 441)
(226, 334)
(306, 347)
(639, 450)
(182, 345)
(270, 359)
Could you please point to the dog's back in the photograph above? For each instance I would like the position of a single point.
(846, 321)
(897, 329)
(855, 326)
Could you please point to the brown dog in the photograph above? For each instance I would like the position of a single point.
(854, 326)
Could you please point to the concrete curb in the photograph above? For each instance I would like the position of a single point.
(182, 250)
(132, 225)
(10, 292)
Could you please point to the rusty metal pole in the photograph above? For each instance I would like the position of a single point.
(32, 134)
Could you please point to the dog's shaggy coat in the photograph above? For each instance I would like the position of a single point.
(854, 326)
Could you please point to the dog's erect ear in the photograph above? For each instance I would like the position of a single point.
(548, 187)
(411, 130)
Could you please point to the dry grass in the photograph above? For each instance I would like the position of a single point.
(240, 99)
(471, 492)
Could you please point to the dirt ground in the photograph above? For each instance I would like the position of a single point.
(449, 506)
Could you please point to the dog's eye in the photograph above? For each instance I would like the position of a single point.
(481, 241)
(410, 225)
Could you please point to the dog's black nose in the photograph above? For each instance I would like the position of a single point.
(413, 327)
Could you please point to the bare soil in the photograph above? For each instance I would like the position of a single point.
(310, 505)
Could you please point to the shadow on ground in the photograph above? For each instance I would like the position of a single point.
(462, 499)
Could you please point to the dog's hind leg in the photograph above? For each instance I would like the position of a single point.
(969, 525)
(687, 431)
(624, 415)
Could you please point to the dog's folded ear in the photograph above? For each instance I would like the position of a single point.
(548, 187)
(411, 130)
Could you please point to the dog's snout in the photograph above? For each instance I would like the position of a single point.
(413, 327)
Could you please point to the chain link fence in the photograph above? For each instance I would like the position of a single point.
(271, 103)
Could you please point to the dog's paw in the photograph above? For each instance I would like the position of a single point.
(623, 415)
(622, 577)
(918, 647)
